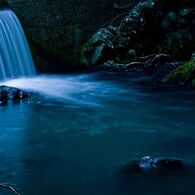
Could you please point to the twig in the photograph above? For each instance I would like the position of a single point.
(150, 59)
(9, 187)
(125, 13)
(123, 7)
(111, 21)
(126, 6)
(105, 24)
(119, 28)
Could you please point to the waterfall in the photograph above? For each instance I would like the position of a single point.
(15, 56)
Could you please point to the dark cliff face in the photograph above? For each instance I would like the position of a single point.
(57, 30)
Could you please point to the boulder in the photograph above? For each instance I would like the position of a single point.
(97, 47)
(149, 162)
(12, 93)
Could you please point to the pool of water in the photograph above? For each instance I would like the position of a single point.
(77, 132)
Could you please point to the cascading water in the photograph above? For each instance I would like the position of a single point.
(15, 55)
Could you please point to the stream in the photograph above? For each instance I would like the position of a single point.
(74, 135)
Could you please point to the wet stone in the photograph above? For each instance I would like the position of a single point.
(12, 93)
(149, 162)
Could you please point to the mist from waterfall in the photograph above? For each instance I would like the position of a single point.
(15, 55)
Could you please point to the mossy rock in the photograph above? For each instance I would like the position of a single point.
(184, 74)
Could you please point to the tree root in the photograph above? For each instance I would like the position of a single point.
(9, 187)
(132, 64)
(150, 62)
(156, 58)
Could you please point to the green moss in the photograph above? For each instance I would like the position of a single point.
(184, 73)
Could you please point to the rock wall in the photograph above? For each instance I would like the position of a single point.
(57, 29)
(152, 27)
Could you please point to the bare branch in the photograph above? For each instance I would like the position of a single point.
(108, 22)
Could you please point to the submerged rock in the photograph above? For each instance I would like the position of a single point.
(12, 93)
(149, 162)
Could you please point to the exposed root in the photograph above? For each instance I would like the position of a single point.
(133, 64)
(156, 58)
(151, 59)
(145, 62)
(9, 187)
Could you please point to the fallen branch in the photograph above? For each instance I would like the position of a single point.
(9, 187)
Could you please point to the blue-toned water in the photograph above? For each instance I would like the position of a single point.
(15, 56)
(75, 136)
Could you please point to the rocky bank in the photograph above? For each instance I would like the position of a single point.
(147, 37)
